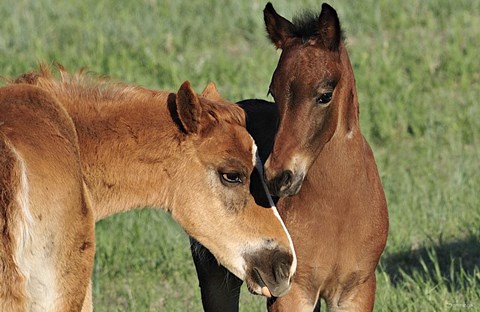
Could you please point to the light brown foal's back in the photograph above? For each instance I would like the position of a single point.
(47, 223)
(188, 154)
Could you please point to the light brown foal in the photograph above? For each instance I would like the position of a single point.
(76, 149)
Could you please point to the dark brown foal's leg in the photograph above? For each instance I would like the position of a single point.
(220, 289)
(270, 302)
(361, 298)
(297, 299)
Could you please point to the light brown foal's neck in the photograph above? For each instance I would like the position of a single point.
(130, 153)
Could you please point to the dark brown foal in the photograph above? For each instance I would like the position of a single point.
(332, 199)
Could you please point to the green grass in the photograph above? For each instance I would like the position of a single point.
(418, 75)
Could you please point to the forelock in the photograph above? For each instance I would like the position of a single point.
(306, 25)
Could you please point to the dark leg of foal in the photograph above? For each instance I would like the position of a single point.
(316, 309)
(220, 289)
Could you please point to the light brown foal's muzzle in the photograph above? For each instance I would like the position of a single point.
(270, 268)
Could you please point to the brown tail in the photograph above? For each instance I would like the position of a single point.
(12, 281)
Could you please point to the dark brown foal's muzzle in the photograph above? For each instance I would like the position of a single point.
(286, 183)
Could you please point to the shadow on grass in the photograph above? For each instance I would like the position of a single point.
(454, 264)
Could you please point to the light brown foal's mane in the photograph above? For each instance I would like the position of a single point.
(77, 149)
(336, 211)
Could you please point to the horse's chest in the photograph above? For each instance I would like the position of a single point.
(41, 283)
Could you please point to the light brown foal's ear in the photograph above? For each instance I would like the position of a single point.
(210, 92)
(279, 29)
(329, 28)
(189, 108)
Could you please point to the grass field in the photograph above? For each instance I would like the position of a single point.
(417, 68)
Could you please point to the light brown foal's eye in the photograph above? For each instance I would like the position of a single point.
(231, 178)
(324, 98)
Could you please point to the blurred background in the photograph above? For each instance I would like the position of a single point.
(417, 70)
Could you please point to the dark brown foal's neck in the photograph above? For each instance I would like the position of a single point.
(342, 165)
(342, 189)
(349, 110)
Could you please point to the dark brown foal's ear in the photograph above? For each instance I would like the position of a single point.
(188, 108)
(329, 28)
(279, 29)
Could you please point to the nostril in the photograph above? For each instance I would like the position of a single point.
(282, 272)
(270, 268)
(285, 179)
(279, 183)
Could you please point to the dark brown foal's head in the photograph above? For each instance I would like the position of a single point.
(312, 81)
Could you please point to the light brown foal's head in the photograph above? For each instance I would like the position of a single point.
(245, 233)
(309, 85)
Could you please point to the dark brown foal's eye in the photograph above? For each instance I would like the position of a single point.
(229, 178)
(324, 98)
